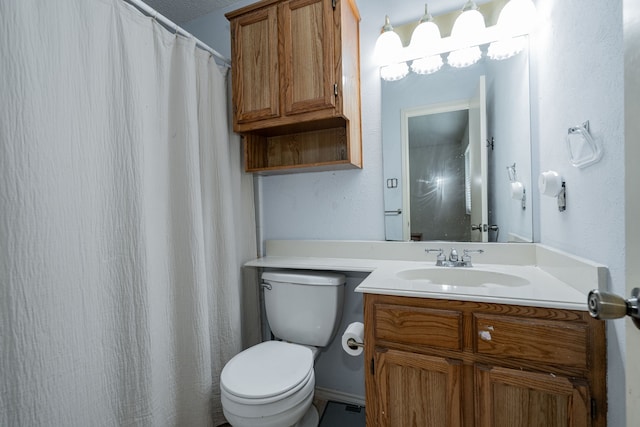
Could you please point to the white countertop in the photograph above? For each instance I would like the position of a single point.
(544, 289)
(318, 263)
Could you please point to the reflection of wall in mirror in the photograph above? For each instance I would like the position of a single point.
(509, 98)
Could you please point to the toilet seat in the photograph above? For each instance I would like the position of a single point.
(267, 372)
(260, 409)
(268, 385)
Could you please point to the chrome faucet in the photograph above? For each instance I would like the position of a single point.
(454, 259)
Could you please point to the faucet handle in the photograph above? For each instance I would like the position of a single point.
(466, 258)
(466, 252)
(440, 257)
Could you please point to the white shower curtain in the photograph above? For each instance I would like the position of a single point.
(124, 219)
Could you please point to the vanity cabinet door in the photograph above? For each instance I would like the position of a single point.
(511, 398)
(434, 362)
(417, 390)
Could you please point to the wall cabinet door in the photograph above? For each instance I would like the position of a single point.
(308, 55)
(296, 85)
(285, 55)
(513, 398)
(417, 390)
(255, 74)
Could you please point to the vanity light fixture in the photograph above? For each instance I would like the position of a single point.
(469, 32)
(387, 53)
(467, 29)
(516, 17)
(425, 37)
(394, 72)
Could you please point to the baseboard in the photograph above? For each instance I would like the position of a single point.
(338, 396)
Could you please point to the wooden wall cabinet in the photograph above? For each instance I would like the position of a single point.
(296, 84)
(453, 363)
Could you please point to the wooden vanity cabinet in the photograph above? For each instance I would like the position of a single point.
(450, 363)
(296, 84)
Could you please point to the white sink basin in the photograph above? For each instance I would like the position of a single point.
(461, 276)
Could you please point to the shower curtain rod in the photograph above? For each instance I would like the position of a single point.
(149, 11)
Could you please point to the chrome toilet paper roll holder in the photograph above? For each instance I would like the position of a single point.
(605, 306)
(353, 344)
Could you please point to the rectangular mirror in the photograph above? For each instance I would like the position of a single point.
(415, 207)
(445, 164)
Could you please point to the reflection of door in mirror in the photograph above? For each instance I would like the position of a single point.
(478, 164)
(445, 188)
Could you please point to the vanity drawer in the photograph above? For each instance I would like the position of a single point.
(418, 326)
(548, 341)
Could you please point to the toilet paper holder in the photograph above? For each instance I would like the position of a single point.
(354, 344)
(551, 184)
(605, 306)
(353, 339)
(518, 192)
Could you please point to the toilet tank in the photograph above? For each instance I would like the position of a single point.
(304, 307)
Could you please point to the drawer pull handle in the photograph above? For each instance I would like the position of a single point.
(485, 335)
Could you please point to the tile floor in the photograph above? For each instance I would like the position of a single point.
(338, 414)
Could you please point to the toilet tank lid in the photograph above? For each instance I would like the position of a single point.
(304, 277)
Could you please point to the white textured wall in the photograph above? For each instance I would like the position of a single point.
(578, 62)
(577, 75)
(508, 98)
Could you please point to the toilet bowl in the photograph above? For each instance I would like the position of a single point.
(269, 385)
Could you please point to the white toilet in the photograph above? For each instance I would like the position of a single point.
(271, 384)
